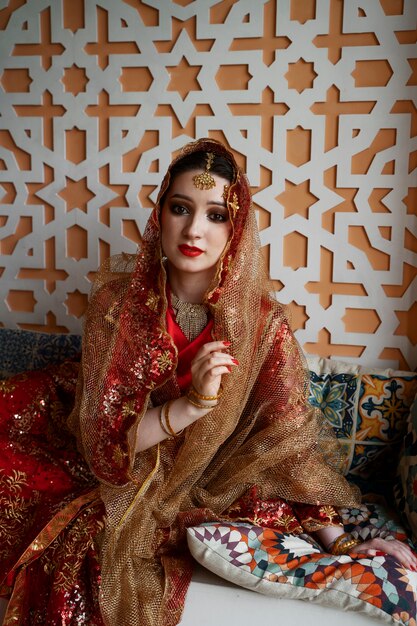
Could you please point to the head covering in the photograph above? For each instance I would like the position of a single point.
(263, 432)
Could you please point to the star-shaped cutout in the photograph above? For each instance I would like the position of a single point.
(76, 194)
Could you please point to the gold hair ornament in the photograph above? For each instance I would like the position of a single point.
(234, 205)
(205, 180)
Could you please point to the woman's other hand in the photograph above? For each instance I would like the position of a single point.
(401, 551)
(209, 365)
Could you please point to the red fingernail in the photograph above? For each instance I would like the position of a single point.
(235, 361)
(229, 367)
(226, 343)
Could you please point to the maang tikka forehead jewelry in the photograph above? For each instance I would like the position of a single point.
(205, 180)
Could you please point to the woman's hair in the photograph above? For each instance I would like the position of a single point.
(198, 161)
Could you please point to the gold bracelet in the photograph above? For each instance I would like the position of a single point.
(193, 392)
(172, 432)
(337, 546)
(348, 545)
(340, 538)
(198, 404)
(343, 544)
(161, 421)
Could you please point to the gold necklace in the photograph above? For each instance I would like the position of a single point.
(191, 317)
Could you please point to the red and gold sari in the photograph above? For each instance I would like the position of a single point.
(116, 554)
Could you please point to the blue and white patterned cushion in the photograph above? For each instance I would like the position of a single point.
(23, 350)
(368, 410)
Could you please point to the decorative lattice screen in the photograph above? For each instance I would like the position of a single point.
(316, 97)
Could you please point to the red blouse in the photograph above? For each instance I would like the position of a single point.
(186, 349)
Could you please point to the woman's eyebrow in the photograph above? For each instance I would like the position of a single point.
(222, 204)
(183, 196)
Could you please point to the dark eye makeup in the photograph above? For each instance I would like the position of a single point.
(213, 214)
(178, 209)
(218, 217)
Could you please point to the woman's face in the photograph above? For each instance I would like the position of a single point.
(195, 226)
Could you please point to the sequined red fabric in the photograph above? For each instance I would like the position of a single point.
(41, 469)
(57, 579)
(287, 517)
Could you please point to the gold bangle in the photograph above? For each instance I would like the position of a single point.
(335, 544)
(198, 404)
(347, 546)
(193, 391)
(161, 421)
(172, 432)
(343, 544)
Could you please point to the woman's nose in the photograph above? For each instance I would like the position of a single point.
(194, 227)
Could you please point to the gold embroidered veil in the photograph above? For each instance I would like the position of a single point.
(262, 433)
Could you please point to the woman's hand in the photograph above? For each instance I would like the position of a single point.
(207, 369)
(401, 551)
(209, 365)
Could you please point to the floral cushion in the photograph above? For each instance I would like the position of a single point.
(291, 566)
(368, 410)
(405, 488)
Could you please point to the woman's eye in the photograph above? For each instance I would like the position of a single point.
(178, 209)
(218, 217)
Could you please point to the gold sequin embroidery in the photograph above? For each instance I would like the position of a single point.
(119, 456)
(14, 509)
(164, 361)
(6, 386)
(152, 301)
(128, 409)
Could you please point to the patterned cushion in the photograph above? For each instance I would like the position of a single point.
(290, 566)
(367, 409)
(23, 350)
(405, 488)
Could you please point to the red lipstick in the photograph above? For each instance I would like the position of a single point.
(189, 250)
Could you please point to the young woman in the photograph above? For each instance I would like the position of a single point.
(191, 406)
